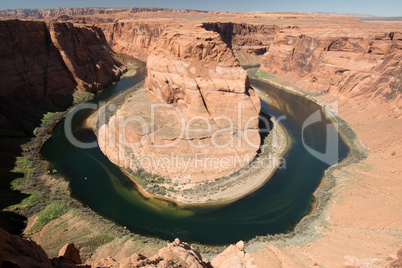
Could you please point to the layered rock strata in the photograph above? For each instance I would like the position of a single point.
(43, 64)
(44, 59)
(249, 42)
(132, 37)
(250, 38)
(196, 119)
(358, 64)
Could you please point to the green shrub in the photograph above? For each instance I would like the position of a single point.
(81, 96)
(48, 117)
(23, 166)
(35, 132)
(51, 212)
(32, 200)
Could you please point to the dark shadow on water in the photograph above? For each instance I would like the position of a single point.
(265, 125)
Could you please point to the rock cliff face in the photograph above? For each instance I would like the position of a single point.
(43, 59)
(86, 54)
(133, 38)
(250, 38)
(205, 110)
(247, 41)
(44, 63)
(32, 67)
(359, 64)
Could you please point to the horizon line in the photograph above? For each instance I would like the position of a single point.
(201, 10)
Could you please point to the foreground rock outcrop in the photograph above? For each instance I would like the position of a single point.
(70, 253)
(397, 261)
(176, 254)
(234, 256)
(180, 254)
(18, 252)
(198, 105)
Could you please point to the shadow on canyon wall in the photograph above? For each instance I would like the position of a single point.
(43, 65)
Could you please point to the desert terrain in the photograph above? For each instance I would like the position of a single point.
(326, 58)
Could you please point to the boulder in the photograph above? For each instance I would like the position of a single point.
(70, 253)
(234, 256)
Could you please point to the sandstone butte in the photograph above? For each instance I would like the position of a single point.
(354, 62)
(216, 117)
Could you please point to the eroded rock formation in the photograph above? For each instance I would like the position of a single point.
(131, 37)
(180, 254)
(234, 256)
(86, 54)
(249, 42)
(397, 261)
(209, 112)
(18, 252)
(40, 59)
(363, 63)
(44, 63)
(250, 38)
(176, 254)
(70, 253)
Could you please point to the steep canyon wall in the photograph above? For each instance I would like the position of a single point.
(354, 64)
(131, 37)
(44, 63)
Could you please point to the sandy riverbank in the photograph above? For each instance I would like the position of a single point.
(244, 182)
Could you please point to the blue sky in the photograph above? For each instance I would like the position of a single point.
(381, 8)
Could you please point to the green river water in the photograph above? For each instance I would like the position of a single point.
(275, 208)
